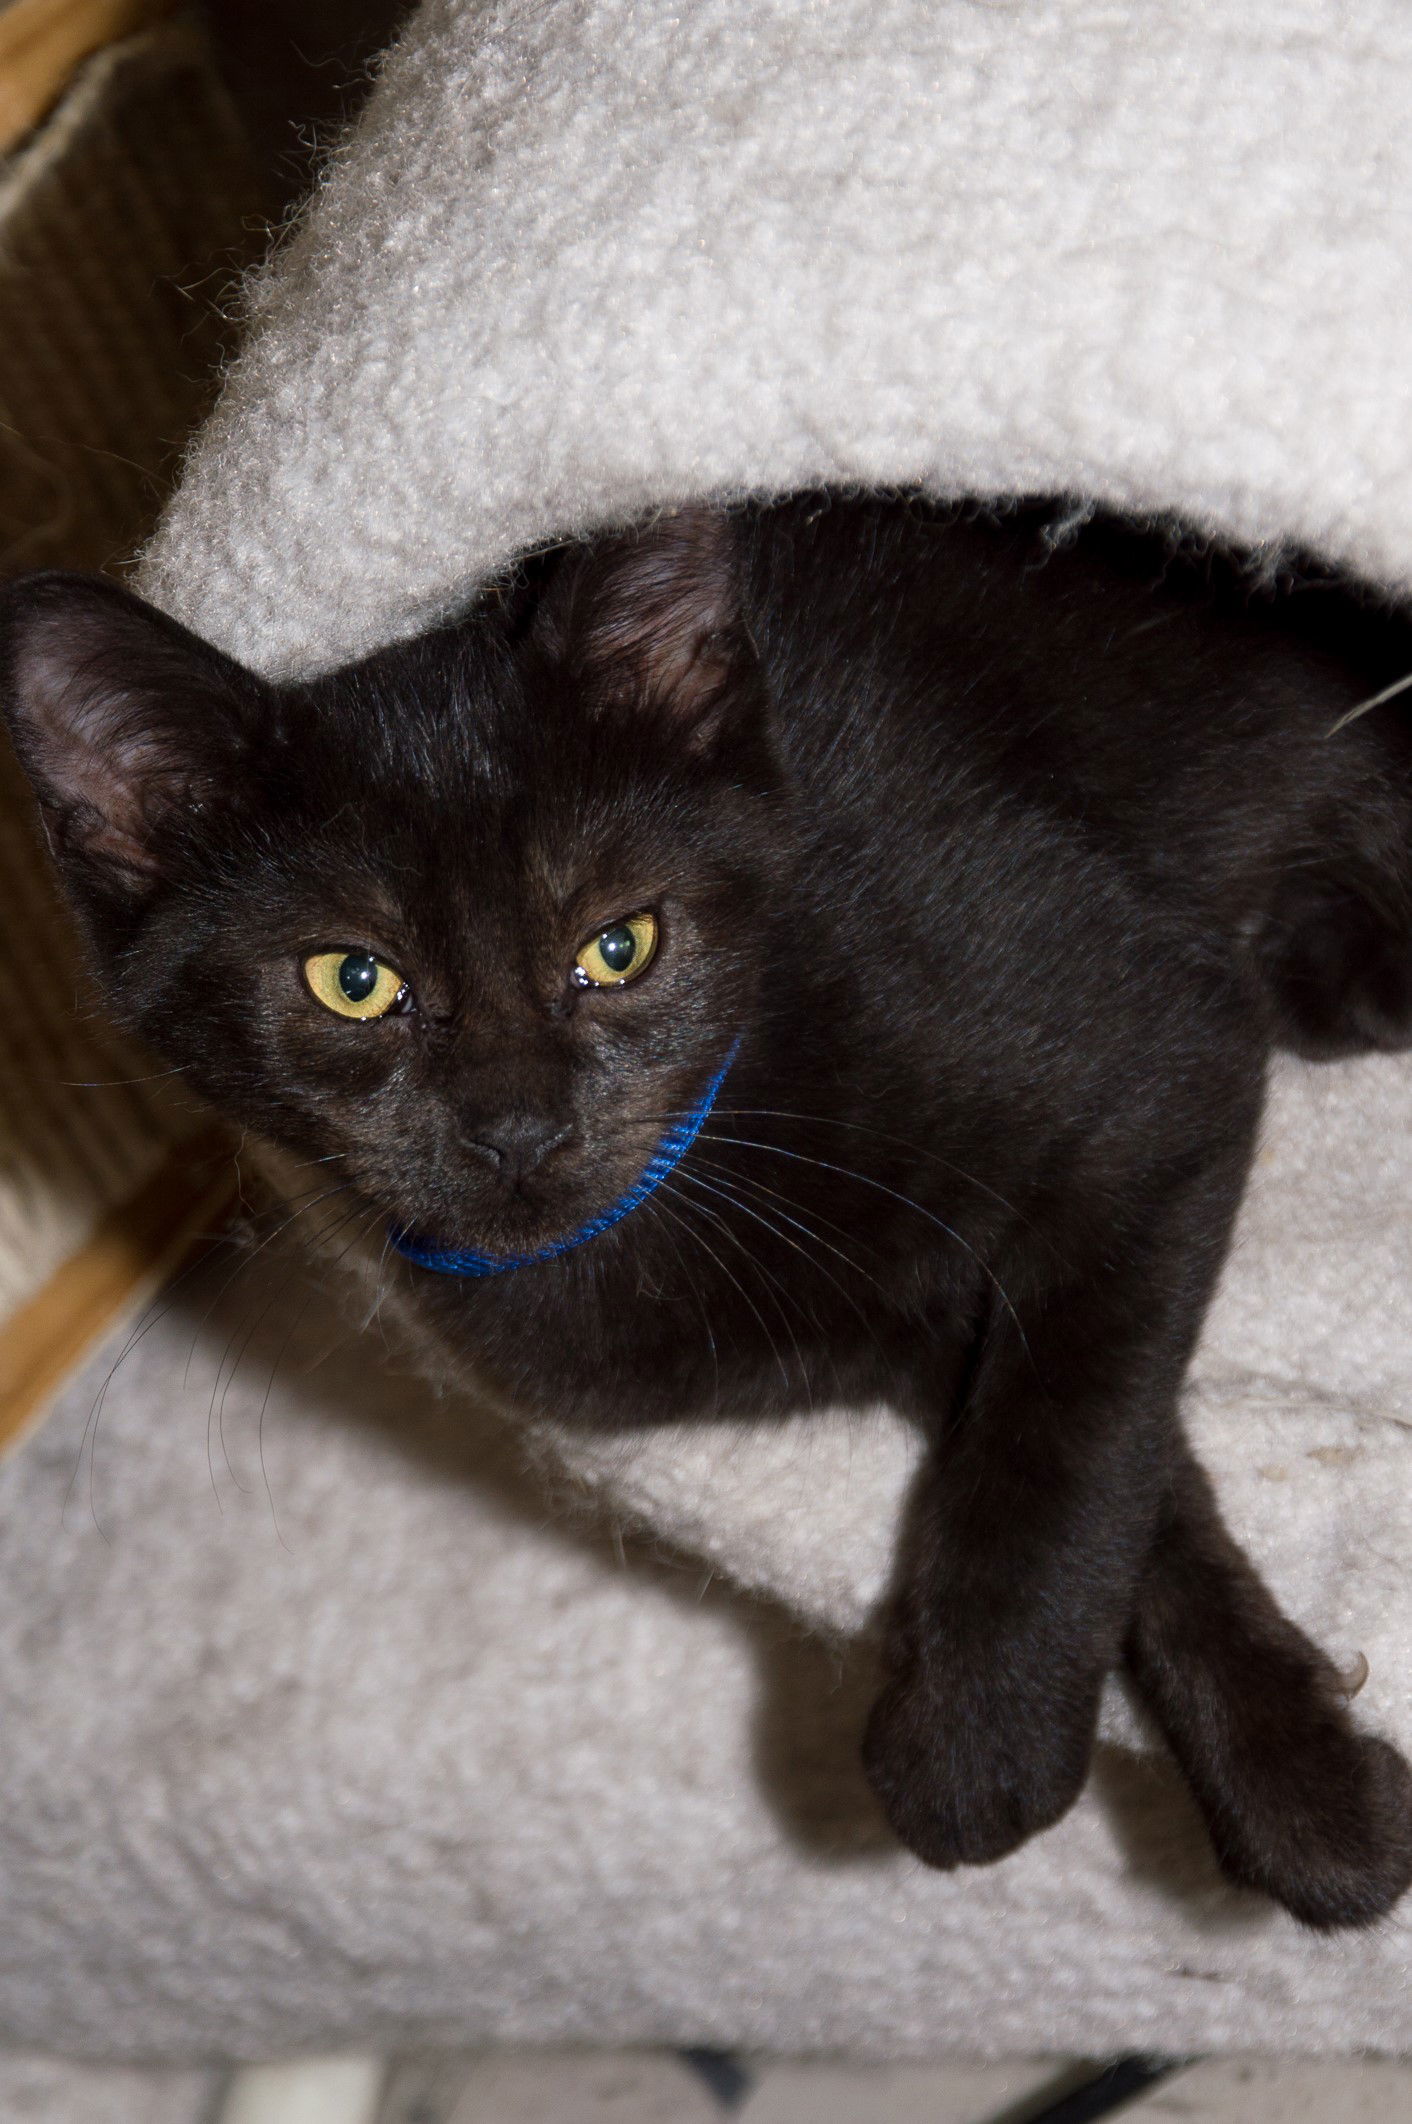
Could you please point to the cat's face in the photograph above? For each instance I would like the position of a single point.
(474, 922)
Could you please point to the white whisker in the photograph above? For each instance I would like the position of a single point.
(1389, 693)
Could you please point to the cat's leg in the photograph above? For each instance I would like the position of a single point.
(1037, 1510)
(1334, 948)
(1298, 1802)
(1335, 955)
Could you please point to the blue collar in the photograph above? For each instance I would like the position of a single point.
(669, 1152)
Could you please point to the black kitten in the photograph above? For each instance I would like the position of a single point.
(988, 874)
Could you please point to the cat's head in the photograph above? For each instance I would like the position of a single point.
(473, 919)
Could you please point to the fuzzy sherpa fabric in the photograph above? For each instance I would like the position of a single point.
(319, 1732)
(582, 257)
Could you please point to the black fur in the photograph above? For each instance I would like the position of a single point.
(1009, 865)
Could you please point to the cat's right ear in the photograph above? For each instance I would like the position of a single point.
(651, 619)
(125, 723)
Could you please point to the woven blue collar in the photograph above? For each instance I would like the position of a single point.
(669, 1152)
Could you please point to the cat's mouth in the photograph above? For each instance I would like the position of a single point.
(481, 1217)
(516, 1229)
(528, 1244)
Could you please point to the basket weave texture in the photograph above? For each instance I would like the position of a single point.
(121, 221)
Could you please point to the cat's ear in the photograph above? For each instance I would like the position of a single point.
(125, 724)
(653, 620)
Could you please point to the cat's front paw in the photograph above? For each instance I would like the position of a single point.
(965, 1783)
(1323, 1822)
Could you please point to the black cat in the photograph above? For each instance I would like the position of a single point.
(829, 950)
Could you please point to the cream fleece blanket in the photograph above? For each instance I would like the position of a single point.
(386, 1756)
(582, 256)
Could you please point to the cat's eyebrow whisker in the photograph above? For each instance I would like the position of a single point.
(113, 1083)
(665, 1187)
(728, 1194)
(374, 1312)
(244, 1261)
(151, 1316)
(1389, 693)
(217, 1411)
(653, 1120)
(731, 1181)
(373, 1218)
(216, 1408)
(848, 1173)
(290, 1333)
(777, 1290)
(660, 1208)
(246, 1258)
(812, 1230)
(783, 1113)
(780, 1113)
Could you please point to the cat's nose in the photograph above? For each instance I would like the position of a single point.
(516, 1143)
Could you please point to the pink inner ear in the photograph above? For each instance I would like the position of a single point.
(114, 723)
(654, 618)
(96, 761)
(113, 795)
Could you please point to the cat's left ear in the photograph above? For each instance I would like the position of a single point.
(652, 619)
(126, 725)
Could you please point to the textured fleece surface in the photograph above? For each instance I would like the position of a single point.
(385, 1756)
(584, 256)
(438, 1768)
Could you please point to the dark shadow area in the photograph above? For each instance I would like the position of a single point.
(1164, 1843)
(273, 1313)
(131, 211)
(298, 72)
(812, 1704)
(1086, 2092)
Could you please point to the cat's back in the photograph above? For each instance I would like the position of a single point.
(936, 671)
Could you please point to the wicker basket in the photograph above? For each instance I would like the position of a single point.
(124, 216)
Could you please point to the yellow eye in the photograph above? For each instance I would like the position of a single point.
(617, 954)
(353, 984)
